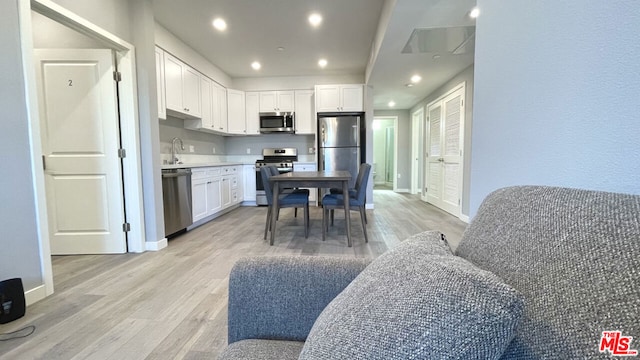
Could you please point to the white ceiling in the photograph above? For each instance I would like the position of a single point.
(256, 28)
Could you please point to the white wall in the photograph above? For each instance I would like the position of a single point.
(293, 82)
(111, 15)
(556, 96)
(20, 254)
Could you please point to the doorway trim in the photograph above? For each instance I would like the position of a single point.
(395, 150)
(416, 153)
(131, 164)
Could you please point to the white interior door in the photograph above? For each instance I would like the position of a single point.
(443, 165)
(80, 142)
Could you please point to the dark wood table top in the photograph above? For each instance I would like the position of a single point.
(313, 175)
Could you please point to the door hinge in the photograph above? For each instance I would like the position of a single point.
(126, 227)
(122, 153)
(426, 189)
(458, 202)
(44, 163)
(461, 103)
(117, 76)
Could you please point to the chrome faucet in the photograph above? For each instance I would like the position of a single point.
(174, 153)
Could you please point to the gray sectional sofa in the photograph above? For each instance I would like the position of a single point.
(540, 273)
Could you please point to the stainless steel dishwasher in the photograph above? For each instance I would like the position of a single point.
(176, 192)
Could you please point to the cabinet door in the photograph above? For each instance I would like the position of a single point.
(305, 114)
(249, 183)
(252, 107)
(219, 104)
(236, 123)
(214, 203)
(327, 98)
(160, 86)
(207, 110)
(173, 81)
(199, 198)
(286, 100)
(351, 97)
(191, 91)
(268, 101)
(226, 191)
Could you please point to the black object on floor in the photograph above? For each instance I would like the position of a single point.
(12, 303)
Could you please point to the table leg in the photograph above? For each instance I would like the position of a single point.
(274, 211)
(345, 195)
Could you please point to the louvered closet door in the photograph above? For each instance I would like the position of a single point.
(444, 178)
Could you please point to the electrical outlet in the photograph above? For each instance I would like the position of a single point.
(248, 150)
(214, 149)
(312, 150)
(192, 148)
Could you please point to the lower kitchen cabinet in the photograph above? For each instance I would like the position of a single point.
(214, 189)
(249, 188)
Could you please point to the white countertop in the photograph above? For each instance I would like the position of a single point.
(205, 164)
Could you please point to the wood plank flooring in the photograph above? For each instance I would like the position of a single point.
(172, 304)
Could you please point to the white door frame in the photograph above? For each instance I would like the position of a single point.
(417, 119)
(131, 164)
(395, 147)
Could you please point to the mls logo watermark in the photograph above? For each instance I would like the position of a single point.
(616, 344)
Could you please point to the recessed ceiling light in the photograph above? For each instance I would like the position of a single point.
(409, 85)
(436, 56)
(256, 65)
(220, 24)
(322, 63)
(392, 103)
(280, 48)
(416, 78)
(315, 19)
(474, 13)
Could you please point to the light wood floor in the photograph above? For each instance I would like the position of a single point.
(172, 304)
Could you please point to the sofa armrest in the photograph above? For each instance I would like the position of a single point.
(281, 297)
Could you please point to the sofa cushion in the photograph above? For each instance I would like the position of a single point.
(418, 301)
(262, 350)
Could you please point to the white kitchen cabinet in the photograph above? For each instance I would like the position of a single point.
(214, 190)
(332, 98)
(249, 185)
(160, 86)
(206, 192)
(252, 112)
(236, 112)
(277, 101)
(182, 88)
(219, 106)
(307, 166)
(231, 188)
(305, 117)
(205, 122)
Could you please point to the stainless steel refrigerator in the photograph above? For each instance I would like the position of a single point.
(340, 143)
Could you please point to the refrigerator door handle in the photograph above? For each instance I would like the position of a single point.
(322, 132)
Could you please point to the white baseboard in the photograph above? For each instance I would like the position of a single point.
(464, 218)
(369, 206)
(34, 295)
(402, 190)
(156, 245)
(249, 203)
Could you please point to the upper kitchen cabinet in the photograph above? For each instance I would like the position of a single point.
(305, 114)
(236, 112)
(332, 98)
(205, 122)
(276, 101)
(160, 87)
(182, 88)
(252, 107)
(219, 104)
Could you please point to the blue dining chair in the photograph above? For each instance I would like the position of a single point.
(290, 200)
(330, 202)
(274, 171)
(352, 192)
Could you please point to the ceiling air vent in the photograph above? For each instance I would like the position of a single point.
(452, 40)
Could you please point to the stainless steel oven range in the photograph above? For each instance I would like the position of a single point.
(282, 158)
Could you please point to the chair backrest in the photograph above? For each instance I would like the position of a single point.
(362, 181)
(266, 182)
(274, 170)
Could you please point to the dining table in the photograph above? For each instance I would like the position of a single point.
(311, 179)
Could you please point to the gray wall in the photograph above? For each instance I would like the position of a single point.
(556, 96)
(239, 145)
(403, 148)
(466, 76)
(202, 142)
(20, 254)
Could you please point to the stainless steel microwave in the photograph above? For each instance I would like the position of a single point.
(277, 122)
